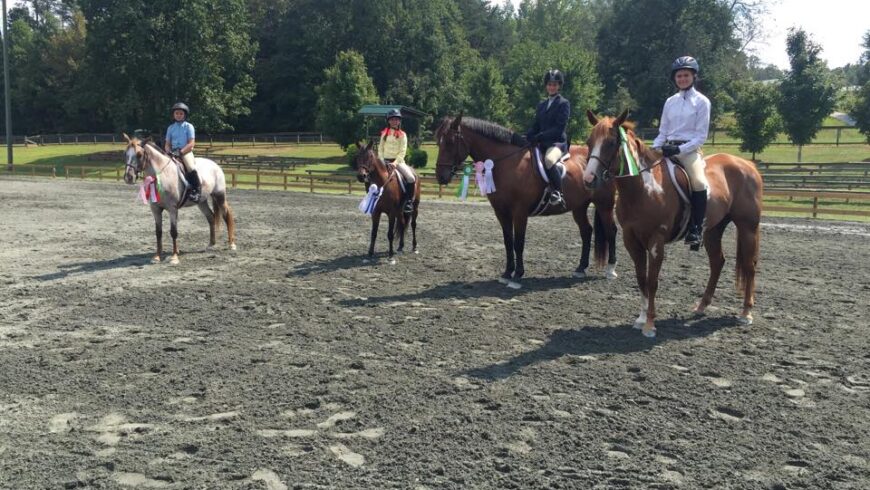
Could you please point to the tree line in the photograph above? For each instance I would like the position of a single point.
(294, 65)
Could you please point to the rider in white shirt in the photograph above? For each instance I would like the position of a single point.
(683, 129)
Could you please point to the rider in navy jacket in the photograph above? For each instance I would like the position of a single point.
(548, 132)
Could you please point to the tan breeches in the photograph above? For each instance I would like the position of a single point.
(189, 161)
(552, 156)
(694, 165)
(406, 171)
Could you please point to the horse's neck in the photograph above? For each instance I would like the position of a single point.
(382, 172)
(636, 188)
(481, 148)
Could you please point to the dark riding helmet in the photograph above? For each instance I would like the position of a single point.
(394, 113)
(684, 63)
(554, 75)
(183, 107)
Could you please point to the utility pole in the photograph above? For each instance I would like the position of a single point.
(6, 89)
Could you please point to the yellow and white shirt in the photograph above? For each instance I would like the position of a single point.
(393, 145)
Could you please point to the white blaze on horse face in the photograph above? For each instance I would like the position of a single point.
(593, 162)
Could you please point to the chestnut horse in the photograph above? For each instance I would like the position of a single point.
(650, 211)
(148, 158)
(519, 188)
(372, 170)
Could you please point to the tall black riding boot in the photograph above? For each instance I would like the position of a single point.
(193, 182)
(556, 186)
(699, 209)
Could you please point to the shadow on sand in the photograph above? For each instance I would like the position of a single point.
(135, 260)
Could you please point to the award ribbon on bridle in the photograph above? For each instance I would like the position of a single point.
(626, 158)
(149, 190)
(462, 191)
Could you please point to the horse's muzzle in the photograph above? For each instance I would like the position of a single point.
(361, 178)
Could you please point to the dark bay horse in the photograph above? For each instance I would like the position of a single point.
(373, 170)
(148, 158)
(519, 189)
(650, 211)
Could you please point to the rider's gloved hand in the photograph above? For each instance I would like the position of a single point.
(670, 150)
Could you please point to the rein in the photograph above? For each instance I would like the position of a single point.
(455, 166)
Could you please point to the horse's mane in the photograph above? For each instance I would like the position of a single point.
(483, 128)
(156, 147)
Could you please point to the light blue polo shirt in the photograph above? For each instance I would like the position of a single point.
(179, 134)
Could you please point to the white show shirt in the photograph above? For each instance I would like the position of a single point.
(686, 117)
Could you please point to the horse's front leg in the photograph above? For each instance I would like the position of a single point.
(656, 257)
(376, 220)
(402, 225)
(507, 231)
(158, 231)
(520, 223)
(391, 233)
(637, 251)
(609, 223)
(582, 221)
(173, 231)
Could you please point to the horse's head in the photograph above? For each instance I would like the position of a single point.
(603, 144)
(134, 158)
(452, 149)
(364, 162)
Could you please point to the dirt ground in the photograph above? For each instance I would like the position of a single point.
(290, 363)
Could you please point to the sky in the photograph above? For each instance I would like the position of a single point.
(838, 26)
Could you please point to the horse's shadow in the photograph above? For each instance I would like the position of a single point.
(134, 260)
(600, 340)
(336, 264)
(476, 289)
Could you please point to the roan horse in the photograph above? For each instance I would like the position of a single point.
(149, 158)
(373, 170)
(519, 188)
(650, 211)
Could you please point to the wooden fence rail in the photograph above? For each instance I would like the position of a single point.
(820, 200)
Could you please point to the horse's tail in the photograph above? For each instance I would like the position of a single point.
(602, 243)
(218, 201)
(748, 238)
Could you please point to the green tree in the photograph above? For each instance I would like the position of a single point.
(346, 87)
(144, 55)
(807, 94)
(861, 108)
(757, 122)
(524, 75)
(487, 94)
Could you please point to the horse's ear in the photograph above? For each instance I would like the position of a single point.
(370, 144)
(456, 122)
(126, 137)
(622, 118)
(358, 146)
(593, 119)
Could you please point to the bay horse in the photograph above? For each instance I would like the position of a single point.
(148, 158)
(519, 190)
(649, 210)
(373, 170)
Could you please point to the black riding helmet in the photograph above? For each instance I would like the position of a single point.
(554, 75)
(393, 113)
(684, 63)
(183, 107)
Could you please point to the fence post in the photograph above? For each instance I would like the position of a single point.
(285, 182)
(33, 170)
(714, 136)
(440, 188)
(117, 174)
(66, 171)
(54, 174)
(349, 184)
(234, 180)
(321, 138)
(113, 139)
(253, 142)
(838, 136)
(258, 179)
(815, 205)
(297, 138)
(311, 181)
(83, 172)
(274, 141)
(95, 139)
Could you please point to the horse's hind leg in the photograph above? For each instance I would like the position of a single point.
(391, 233)
(414, 226)
(376, 220)
(402, 224)
(158, 231)
(748, 235)
(210, 217)
(230, 219)
(520, 223)
(713, 245)
(507, 230)
(582, 221)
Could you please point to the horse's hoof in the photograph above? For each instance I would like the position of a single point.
(638, 325)
(173, 261)
(699, 309)
(650, 334)
(155, 259)
(232, 246)
(514, 285)
(579, 274)
(610, 272)
(366, 261)
(503, 280)
(392, 261)
(416, 252)
(745, 320)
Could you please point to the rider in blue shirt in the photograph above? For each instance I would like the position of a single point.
(549, 132)
(180, 139)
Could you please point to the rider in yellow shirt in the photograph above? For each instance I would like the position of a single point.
(392, 149)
